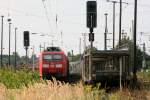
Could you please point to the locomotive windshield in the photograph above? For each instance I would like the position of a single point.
(52, 57)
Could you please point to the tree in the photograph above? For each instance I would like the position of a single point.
(13, 58)
(68, 54)
(126, 42)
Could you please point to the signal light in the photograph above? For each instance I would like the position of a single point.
(26, 38)
(91, 14)
(91, 36)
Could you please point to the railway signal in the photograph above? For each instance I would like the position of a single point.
(26, 43)
(91, 19)
(91, 36)
(26, 38)
(91, 14)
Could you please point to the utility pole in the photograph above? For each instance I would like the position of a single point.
(105, 34)
(84, 40)
(91, 37)
(44, 46)
(2, 42)
(80, 46)
(135, 30)
(124, 35)
(72, 55)
(40, 47)
(33, 67)
(120, 22)
(26, 48)
(143, 62)
(52, 43)
(9, 21)
(114, 20)
(61, 39)
(15, 48)
(132, 31)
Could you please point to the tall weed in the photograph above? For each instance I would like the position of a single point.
(18, 79)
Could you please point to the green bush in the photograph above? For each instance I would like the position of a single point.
(18, 79)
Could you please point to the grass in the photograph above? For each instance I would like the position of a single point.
(17, 79)
(144, 75)
(56, 90)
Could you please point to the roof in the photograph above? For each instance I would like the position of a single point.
(53, 49)
(109, 52)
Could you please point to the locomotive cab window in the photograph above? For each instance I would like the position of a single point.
(47, 57)
(57, 57)
(52, 57)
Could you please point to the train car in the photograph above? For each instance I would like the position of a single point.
(53, 62)
(75, 68)
(105, 65)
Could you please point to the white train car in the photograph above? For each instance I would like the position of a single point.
(75, 68)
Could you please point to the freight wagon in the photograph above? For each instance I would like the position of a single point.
(105, 65)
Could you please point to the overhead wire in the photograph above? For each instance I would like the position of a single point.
(29, 14)
(40, 16)
(23, 13)
(9, 4)
(141, 5)
(50, 10)
(54, 17)
(47, 16)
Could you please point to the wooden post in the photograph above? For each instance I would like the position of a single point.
(120, 64)
(90, 65)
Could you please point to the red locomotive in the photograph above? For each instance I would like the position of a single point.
(53, 62)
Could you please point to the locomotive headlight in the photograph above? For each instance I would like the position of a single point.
(58, 65)
(45, 65)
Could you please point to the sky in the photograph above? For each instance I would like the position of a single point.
(39, 16)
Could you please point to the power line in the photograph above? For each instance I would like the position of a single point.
(46, 13)
(20, 12)
(50, 10)
(117, 14)
(55, 18)
(140, 5)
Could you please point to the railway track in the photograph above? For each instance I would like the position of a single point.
(73, 78)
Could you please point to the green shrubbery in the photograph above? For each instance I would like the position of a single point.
(18, 79)
(144, 74)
